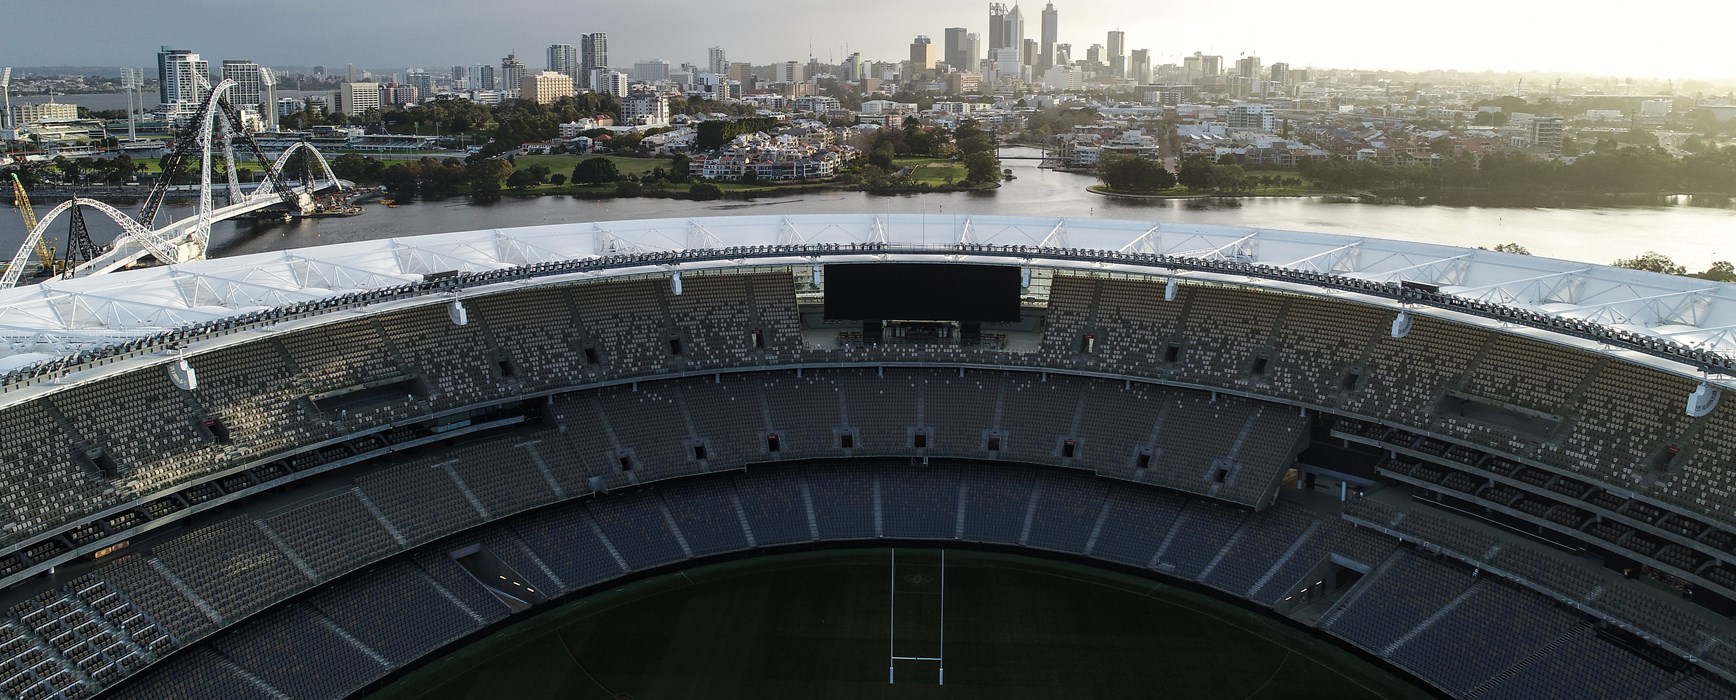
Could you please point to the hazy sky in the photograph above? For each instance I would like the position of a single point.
(1680, 38)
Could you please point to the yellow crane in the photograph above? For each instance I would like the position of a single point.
(22, 201)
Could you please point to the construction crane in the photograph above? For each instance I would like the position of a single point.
(22, 201)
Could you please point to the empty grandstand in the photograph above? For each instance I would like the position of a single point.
(231, 477)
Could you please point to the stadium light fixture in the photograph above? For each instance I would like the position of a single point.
(1401, 324)
(1169, 289)
(675, 283)
(183, 375)
(460, 316)
(1703, 399)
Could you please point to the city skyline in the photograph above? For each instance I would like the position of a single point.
(1547, 36)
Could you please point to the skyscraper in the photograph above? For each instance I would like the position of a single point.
(1118, 53)
(1063, 54)
(1248, 67)
(564, 59)
(997, 26)
(1013, 34)
(716, 61)
(480, 77)
(1139, 67)
(512, 74)
(921, 58)
(958, 49)
(593, 56)
(423, 81)
(1051, 20)
(178, 76)
(255, 88)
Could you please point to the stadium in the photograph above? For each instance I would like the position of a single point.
(306, 474)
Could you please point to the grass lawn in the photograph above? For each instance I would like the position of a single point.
(935, 171)
(823, 624)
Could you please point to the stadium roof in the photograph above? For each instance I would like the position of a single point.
(61, 317)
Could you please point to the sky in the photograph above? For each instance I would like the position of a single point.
(1678, 39)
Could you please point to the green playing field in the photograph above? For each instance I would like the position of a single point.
(825, 624)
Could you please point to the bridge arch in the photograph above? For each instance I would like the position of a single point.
(267, 187)
(131, 231)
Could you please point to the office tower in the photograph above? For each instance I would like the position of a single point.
(1051, 20)
(1029, 54)
(593, 55)
(512, 73)
(997, 26)
(480, 77)
(1190, 65)
(1118, 53)
(564, 59)
(1139, 67)
(1211, 66)
(651, 70)
(716, 61)
(422, 80)
(1094, 55)
(1013, 34)
(958, 49)
(356, 98)
(1281, 73)
(1063, 54)
(973, 51)
(350, 72)
(459, 73)
(921, 58)
(1248, 67)
(742, 72)
(255, 88)
(179, 74)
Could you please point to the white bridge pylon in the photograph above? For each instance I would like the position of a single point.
(189, 238)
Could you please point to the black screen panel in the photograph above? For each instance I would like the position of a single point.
(922, 292)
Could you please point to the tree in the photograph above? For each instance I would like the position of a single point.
(1513, 248)
(1652, 261)
(749, 176)
(679, 164)
(557, 179)
(704, 191)
(981, 168)
(881, 156)
(521, 179)
(596, 171)
(1124, 173)
(1196, 173)
(1720, 271)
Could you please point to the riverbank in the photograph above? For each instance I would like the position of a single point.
(1185, 194)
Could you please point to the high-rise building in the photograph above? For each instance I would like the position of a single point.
(958, 54)
(973, 50)
(1029, 54)
(610, 82)
(1281, 74)
(422, 81)
(1063, 54)
(593, 55)
(922, 57)
(1191, 66)
(546, 87)
(997, 27)
(716, 61)
(1248, 67)
(1139, 67)
(1118, 53)
(356, 98)
(651, 70)
(255, 89)
(512, 72)
(1051, 29)
(1211, 66)
(741, 72)
(350, 72)
(645, 108)
(1546, 134)
(459, 73)
(1094, 55)
(1013, 34)
(564, 59)
(480, 77)
(180, 76)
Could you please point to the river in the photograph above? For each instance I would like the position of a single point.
(1693, 235)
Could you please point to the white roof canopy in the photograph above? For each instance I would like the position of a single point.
(61, 317)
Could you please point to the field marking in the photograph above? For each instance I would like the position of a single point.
(1270, 678)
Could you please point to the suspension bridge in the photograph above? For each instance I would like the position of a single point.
(219, 129)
